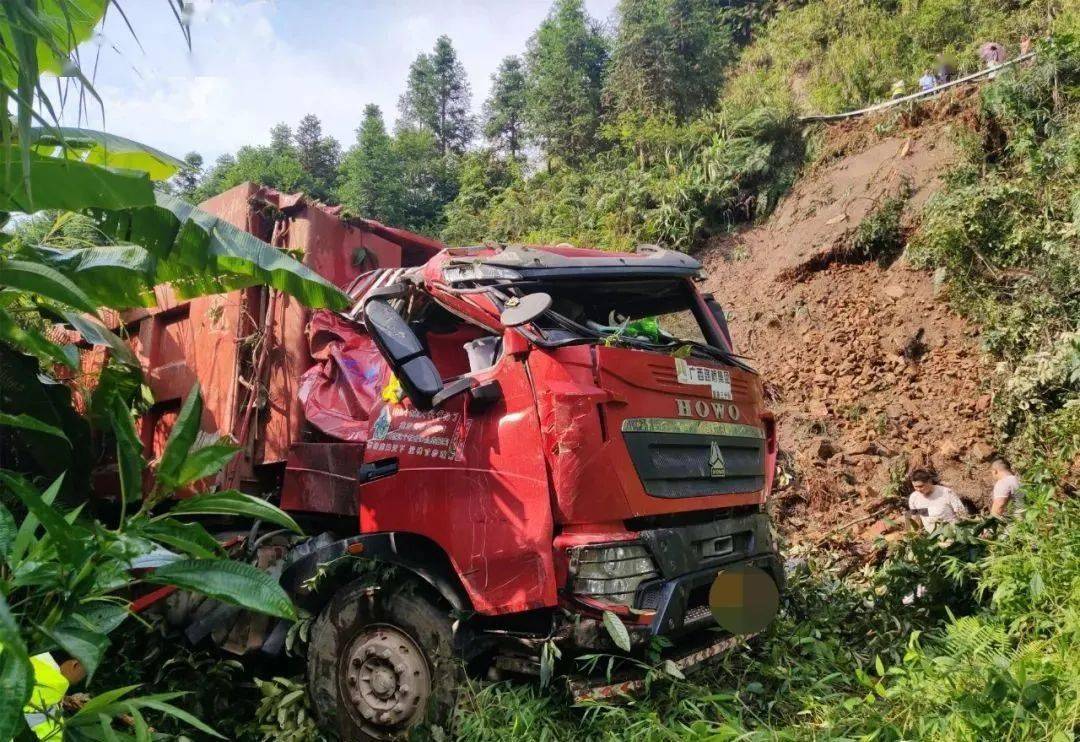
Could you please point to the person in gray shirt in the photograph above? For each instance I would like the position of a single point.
(1007, 498)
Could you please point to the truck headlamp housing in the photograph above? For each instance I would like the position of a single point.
(610, 573)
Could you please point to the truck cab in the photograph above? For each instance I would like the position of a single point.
(540, 439)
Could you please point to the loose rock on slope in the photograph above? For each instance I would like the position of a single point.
(871, 373)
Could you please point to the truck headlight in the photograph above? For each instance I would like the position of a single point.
(611, 573)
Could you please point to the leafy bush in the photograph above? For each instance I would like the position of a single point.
(880, 235)
(658, 183)
(1005, 232)
(66, 576)
(834, 55)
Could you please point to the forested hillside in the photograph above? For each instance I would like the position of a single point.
(682, 124)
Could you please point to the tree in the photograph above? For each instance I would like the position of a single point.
(437, 97)
(214, 179)
(429, 180)
(670, 55)
(319, 156)
(258, 164)
(305, 161)
(281, 138)
(504, 110)
(564, 76)
(185, 182)
(371, 183)
(482, 178)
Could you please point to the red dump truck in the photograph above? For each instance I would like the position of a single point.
(525, 441)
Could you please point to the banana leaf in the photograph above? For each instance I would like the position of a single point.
(188, 240)
(124, 276)
(31, 341)
(114, 276)
(68, 185)
(58, 27)
(100, 148)
(38, 37)
(41, 280)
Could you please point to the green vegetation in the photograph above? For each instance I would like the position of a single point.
(303, 160)
(990, 650)
(834, 55)
(504, 111)
(847, 660)
(66, 560)
(437, 98)
(1006, 231)
(880, 236)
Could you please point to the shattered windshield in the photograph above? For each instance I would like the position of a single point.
(660, 315)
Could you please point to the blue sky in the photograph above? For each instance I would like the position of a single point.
(255, 63)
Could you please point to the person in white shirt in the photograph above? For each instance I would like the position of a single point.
(1007, 497)
(933, 503)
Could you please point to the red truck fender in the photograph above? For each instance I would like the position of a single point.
(416, 554)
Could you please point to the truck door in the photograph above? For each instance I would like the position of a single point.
(468, 476)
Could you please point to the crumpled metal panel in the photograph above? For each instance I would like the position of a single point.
(214, 339)
(339, 392)
(321, 478)
(469, 479)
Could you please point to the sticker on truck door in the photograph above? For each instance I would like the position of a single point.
(435, 434)
(718, 380)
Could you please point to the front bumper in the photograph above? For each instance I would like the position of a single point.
(688, 559)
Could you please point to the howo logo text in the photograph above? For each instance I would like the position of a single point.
(706, 410)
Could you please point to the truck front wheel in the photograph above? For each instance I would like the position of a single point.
(381, 662)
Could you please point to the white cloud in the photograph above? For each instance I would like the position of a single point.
(256, 62)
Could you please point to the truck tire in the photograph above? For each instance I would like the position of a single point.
(381, 663)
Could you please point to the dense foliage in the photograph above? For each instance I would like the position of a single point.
(304, 160)
(672, 56)
(1005, 233)
(68, 556)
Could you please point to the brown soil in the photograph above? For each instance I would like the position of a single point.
(871, 373)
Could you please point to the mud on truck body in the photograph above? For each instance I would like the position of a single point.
(525, 437)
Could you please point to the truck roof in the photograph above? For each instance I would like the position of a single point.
(564, 261)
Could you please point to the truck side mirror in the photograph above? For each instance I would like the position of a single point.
(522, 310)
(403, 352)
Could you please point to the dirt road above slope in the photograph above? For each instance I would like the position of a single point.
(872, 374)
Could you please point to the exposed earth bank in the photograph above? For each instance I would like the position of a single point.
(869, 371)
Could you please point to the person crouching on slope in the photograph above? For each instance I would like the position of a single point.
(933, 503)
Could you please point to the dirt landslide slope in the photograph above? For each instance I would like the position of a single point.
(871, 373)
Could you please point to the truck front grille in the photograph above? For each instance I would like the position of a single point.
(692, 458)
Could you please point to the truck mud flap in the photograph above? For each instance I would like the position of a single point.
(582, 689)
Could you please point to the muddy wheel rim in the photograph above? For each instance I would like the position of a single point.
(385, 679)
